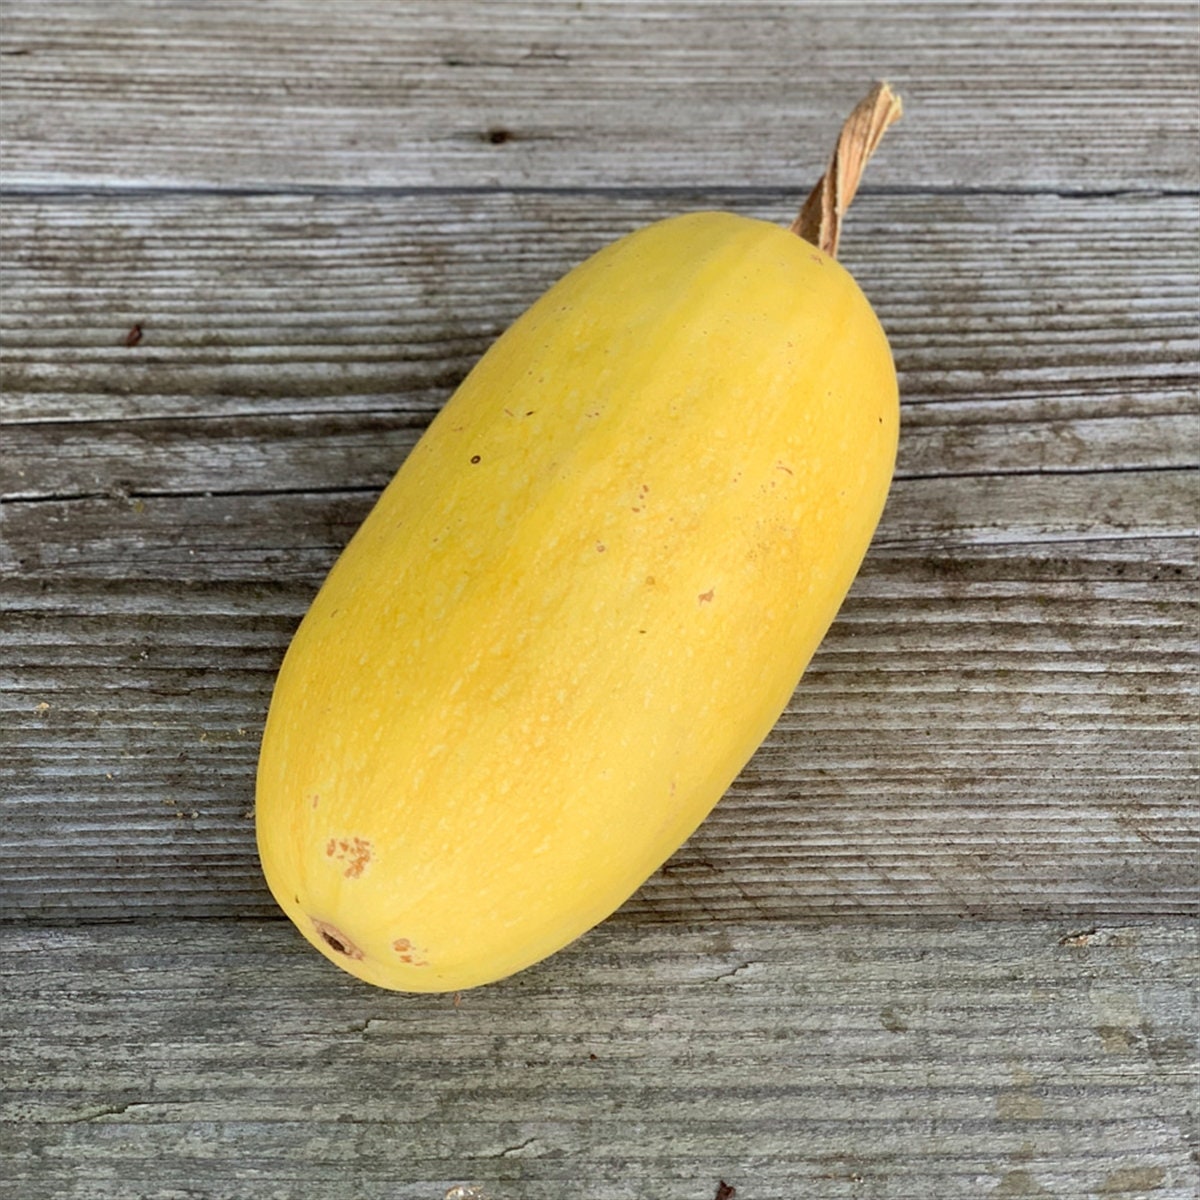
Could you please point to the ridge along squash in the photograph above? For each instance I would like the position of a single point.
(584, 600)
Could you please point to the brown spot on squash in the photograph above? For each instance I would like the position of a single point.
(408, 953)
(335, 939)
(353, 852)
(706, 597)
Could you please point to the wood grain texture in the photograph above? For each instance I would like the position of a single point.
(227, 1060)
(1035, 312)
(173, 507)
(153, 608)
(1019, 94)
(940, 939)
(998, 723)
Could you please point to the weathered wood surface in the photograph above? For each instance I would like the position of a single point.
(1054, 321)
(850, 982)
(225, 1060)
(610, 92)
(988, 730)
(175, 504)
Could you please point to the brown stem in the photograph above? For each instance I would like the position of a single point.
(820, 220)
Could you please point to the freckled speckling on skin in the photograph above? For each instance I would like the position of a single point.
(407, 953)
(355, 853)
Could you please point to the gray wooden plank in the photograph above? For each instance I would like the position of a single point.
(1002, 720)
(1066, 95)
(940, 938)
(1018, 612)
(226, 1059)
(315, 452)
(241, 532)
(1030, 312)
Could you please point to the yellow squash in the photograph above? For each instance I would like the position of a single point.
(580, 606)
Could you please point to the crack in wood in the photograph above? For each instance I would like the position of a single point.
(518, 1151)
(106, 1111)
(738, 970)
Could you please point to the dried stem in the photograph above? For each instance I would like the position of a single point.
(820, 220)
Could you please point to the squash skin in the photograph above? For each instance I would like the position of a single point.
(580, 605)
